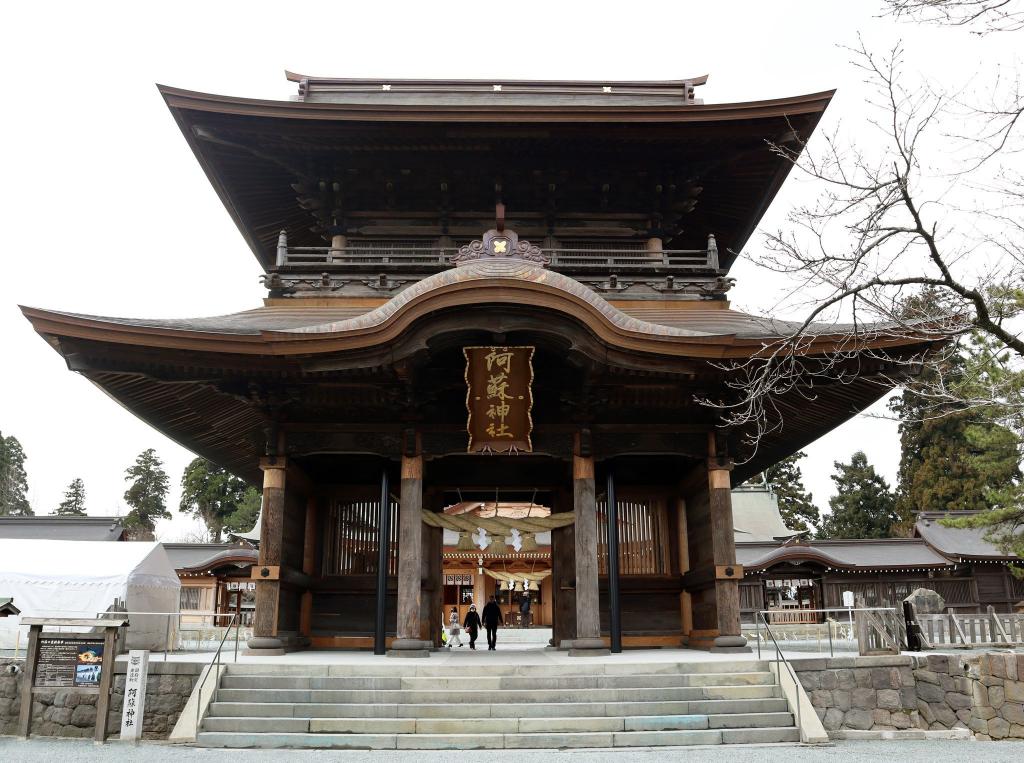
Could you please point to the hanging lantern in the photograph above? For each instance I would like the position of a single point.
(465, 542)
(529, 542)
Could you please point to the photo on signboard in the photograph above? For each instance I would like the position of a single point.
(88, 665)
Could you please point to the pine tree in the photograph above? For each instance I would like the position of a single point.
(146, 495)
(73, 504)
(954, 456)
(863, 507)
(795, 504)
(217, 497)
(243, 519)
(13, 479)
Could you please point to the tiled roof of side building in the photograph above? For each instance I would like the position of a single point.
(957, 542)
(62, 528)
(885, 553)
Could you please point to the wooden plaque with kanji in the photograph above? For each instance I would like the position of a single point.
(499, 399)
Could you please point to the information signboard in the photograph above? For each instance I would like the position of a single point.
(67, 662)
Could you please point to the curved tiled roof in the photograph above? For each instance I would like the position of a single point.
(297, 319)
(884, 553)
(199, 557)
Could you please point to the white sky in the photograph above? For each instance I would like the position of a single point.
(106, 211)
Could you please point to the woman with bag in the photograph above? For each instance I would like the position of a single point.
(472, 625)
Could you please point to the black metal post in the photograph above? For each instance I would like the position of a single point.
(615, 616)
(383, 559)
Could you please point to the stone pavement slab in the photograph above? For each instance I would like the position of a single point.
(72, 751)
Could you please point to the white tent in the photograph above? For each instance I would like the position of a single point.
(67, 578)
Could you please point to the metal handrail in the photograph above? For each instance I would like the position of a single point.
(780, 657)
(215, 664)
(169, 615)
(849, 610)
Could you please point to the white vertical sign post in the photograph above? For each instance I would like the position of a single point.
(134, 695)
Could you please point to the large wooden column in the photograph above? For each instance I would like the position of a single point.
(408, 641)
(588, 613)
(268, 570)
(563, 575)
(308, 567)
(727, 573)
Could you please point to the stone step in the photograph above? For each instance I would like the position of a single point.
(507, 725)
(419, 696)
(469, 741)
(585, 667)
(225, 709)
(472, 683)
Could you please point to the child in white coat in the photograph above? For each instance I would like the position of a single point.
(454, 628)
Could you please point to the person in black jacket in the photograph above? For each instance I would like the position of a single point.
(472, 625)
(492, 619)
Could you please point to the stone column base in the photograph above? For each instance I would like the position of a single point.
(588, 647)
(730, 644)
(410, 647)
(264, 646)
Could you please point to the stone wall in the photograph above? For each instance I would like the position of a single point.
(68, 713)
(979, 694)
(998, 711)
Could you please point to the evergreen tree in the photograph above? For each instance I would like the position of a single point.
(73, 504)
(13, 479)
(996, 439)
(795, 504)
(244, 517)
(952, 454)
(146, 495)
(864, 506)
(217, 497)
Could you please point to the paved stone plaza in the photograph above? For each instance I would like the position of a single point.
(61, 750)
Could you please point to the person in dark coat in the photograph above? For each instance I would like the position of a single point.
(524, 610)
(492, 619)
(472, 625)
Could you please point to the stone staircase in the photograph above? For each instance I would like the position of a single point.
(494, 706)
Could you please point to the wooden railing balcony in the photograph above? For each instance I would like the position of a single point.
(396, 256)
(387, 266)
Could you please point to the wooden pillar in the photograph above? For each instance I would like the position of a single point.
(727, 573)
(563, 573)
(683, 550)
(308, 567)
(432, 600)
(588, 614)
(614, 611)
(380, 618)
(408, 641)
(268, 569)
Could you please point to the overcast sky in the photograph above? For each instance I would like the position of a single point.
(107, 212)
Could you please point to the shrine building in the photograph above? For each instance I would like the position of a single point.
(492, 310)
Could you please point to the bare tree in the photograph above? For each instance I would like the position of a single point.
(981, 16)
(916, 240)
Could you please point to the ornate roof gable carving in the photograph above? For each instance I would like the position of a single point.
(501, 244)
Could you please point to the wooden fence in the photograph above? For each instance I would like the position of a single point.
(967, 631)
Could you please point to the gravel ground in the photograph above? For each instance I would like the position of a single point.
(60, 750)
